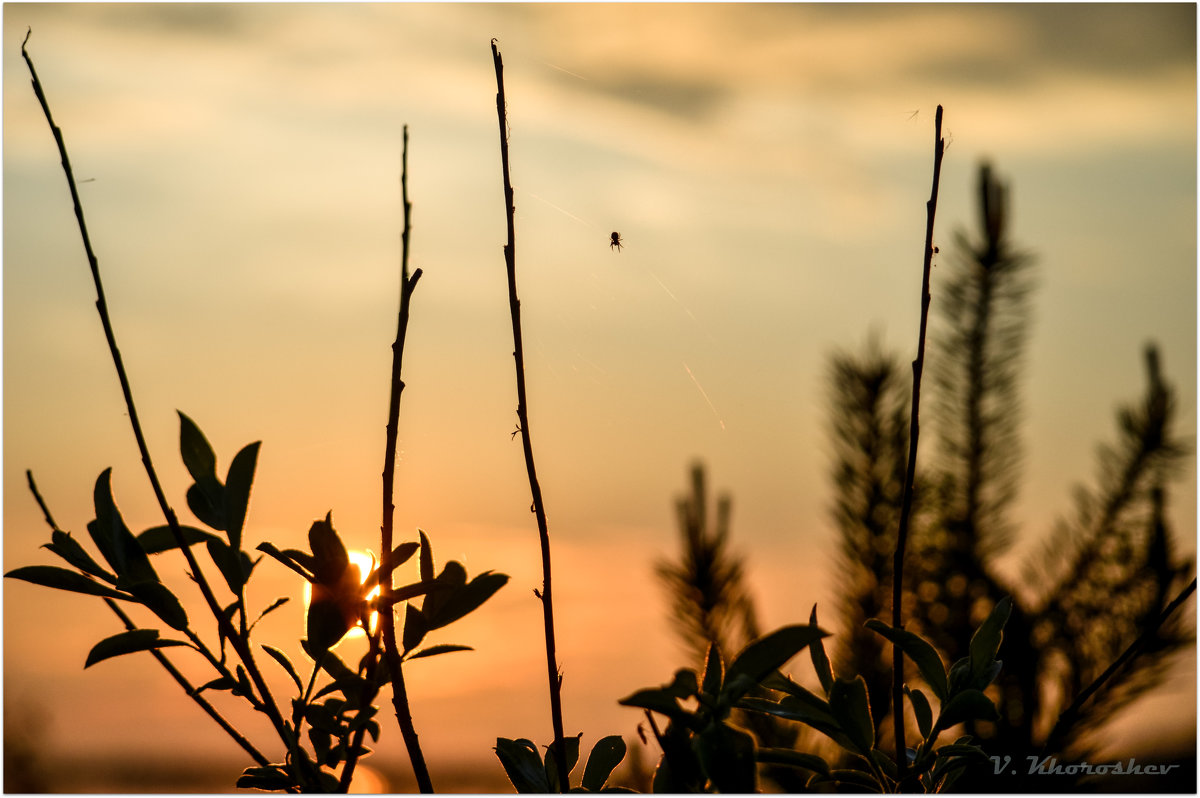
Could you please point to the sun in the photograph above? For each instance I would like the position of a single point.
(365, 562)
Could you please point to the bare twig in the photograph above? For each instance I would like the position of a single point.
(939, 148)
(510, 260)
(158, 654)
(387, 620)
(240, 642)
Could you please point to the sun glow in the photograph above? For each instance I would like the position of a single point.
(365, 562)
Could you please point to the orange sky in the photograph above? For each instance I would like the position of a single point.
(767, 167)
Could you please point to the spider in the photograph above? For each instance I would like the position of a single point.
(616, 241)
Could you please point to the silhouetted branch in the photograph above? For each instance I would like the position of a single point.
(239, 642)
(539, 509)
(158, 654)
(387, 617)
(939, 148)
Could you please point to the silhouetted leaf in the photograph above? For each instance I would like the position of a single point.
(415, 627)
(791, 758)
(854, 778)
(767, 654)
(849, 705)
(523, 765)
(463, 599)
(62, 579)
(967, 705)
(283, 660)
(426, 559)
(820, 659)
(65, 546)
(606, 754)
(330, 559)
(233, 564)
(404, 552)
(571, 749)
(159, 600)
(272, 778)
(986, 640)
(660, 700)
(220, 683)
(444, 648)
(714, 671)
(928, 662)
(118, 545)
(237, 492)
(296, 560)
(921, 709)
(158, 539)
(127, 643)
(206, 499)
(195, 450)
(276, 604)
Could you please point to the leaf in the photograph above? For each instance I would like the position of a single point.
(928, 661)
(158, 539)
(272, 778)
(820, 659)
(158, 598)
(967, 705)
(921, 709)
(288, 558)
(849, 705)
(986, 640)
(65, 546)
(127, 643)
(571, 749)
(606, 754)
(62, 579)
(237, 492)
(276, 604)
(660, 700)
(790, 758)
(232, 564)
(714, 671)
(444, 648)
(767, 654)
(206, 499)
(404, 552)
(195, 450)
(283, 660)
(426, 560)
(330, 559)
(523, 765)
(118, 545)
(464, 599)
(415, 627)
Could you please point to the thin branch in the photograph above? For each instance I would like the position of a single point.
(939, 148)
(246, 745)
(387, 619)
(510, 260)
(240, 643)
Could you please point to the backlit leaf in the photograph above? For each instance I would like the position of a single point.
(765, 655)
(606, 754)
(928, 661)
(523, 765)
(62, 579)
(65, 546)
(237, 492)
(127, 643)
(158, 539)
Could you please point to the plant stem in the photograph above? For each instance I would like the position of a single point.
(539, 509)
(246, 745)
(939, 148)
(239, 642)
(387, 617)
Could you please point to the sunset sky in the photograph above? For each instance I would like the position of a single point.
(767, 167)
